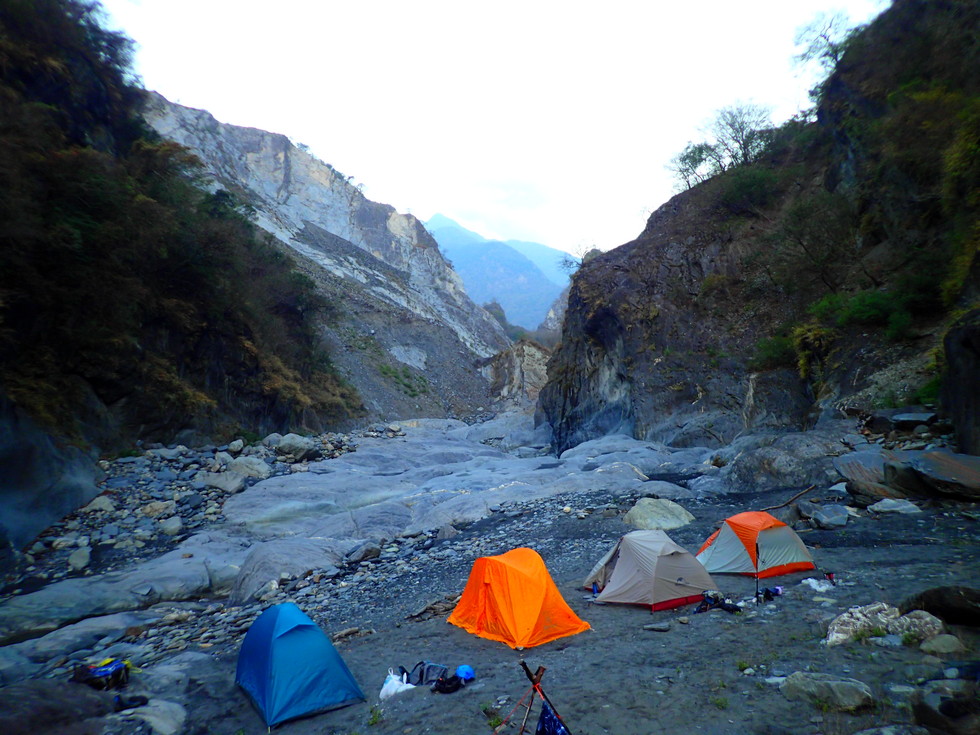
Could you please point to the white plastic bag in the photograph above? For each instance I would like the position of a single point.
(394, 684)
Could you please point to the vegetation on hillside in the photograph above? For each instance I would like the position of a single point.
(130, 295)
(866, 211)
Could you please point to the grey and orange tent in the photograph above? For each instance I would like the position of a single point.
(511, 598)
(757, 544)
(648, 568)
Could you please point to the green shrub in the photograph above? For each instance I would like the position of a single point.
(745, 190)
(772, 353)
(874, 308)
(929, 392)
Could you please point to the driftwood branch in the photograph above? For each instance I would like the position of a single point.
(781, 505)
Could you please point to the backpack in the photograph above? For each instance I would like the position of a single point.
(426, 672)
(448, 685)
(109, 674)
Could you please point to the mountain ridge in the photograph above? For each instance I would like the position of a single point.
(497, 271)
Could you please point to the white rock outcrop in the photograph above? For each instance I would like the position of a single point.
(318, 212)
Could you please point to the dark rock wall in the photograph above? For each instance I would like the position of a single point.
(961, 385)
(41, 480)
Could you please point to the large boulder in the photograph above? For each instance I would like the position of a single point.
(955, 605)
(299, 447)
(880, 616)
(789, 460)
(836, 692)
(657, 514)
(946, 473)
(250, 467)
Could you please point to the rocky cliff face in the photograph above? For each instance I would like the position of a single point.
(648, 351)
(518, 373)
(405, 316)
(817, 281)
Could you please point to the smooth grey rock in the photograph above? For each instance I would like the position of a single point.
(657, 514)
(363, 552)
(294, 556)
(837, 692)
(942, 644)
(909, 421)
(15, 666)
(200, 565)
(165, 718)
(229, 482)
(830, 517)
(250, 467)
(79, 558)
(300, 447)
(171, 526)
(894, 505)
(100, 503)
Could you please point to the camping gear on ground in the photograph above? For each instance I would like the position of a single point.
(111, 673)
(757, 544)
(511, 598)
(549, 721)
(715, 601)
(448, 684)
(648, 568)
(769, 593)
(465, 672)
(395, 683)
(289, 667)
(425, 673)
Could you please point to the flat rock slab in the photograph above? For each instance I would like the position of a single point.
(837, 692)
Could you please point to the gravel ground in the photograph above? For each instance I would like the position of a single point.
(709, 673)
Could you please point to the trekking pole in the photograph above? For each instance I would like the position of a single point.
(527, 712)
(535, 680)
(757, 571)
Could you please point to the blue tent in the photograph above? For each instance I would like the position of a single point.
(290, 668)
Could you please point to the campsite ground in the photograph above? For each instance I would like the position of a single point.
(619, 678)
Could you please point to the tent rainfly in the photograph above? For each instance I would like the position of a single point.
(648, 568)
(511, 598)
(757, 544)
(289, 667)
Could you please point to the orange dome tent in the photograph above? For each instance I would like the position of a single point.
(511, 598)
(757, 544)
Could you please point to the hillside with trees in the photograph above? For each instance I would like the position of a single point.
(808, 270)
(134, 302)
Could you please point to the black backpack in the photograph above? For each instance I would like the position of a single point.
(448, 685)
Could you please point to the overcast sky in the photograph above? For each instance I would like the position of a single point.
(532, 119)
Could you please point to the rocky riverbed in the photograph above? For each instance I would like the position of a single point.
(373, 536)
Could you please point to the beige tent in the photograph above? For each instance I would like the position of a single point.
(648, 568)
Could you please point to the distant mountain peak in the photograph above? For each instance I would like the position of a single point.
(442, 222)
